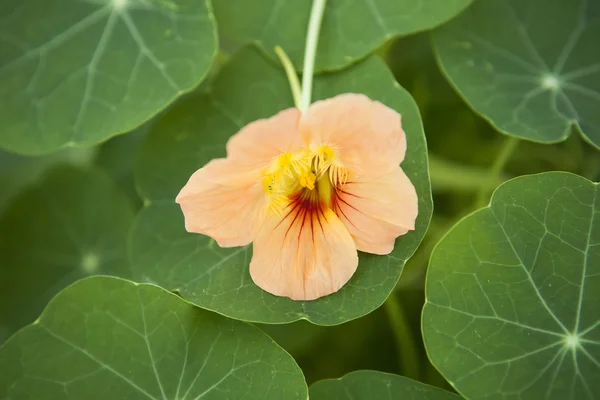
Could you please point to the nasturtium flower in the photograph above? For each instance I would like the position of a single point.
(308, 190)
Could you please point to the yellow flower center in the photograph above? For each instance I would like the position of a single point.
(309, 176)
(307, 180)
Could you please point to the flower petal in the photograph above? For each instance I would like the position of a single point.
(262, 141)
(367, 135)
(377, 209)
(307, 255)
(225, 202)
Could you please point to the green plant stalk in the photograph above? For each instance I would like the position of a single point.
(447, 175)
(405, 342)
(310, 51)
(508, 148)
(291, 75)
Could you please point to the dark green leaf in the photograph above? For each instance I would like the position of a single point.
(350, 31)
(17, 171)
(513, 293)
(73, 223)
(528, 80)
(117, 157)
(78, 72)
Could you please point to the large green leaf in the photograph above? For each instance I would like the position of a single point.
(108, 338)
(350, 30)
(77, 72)
(371, 385)
(71, 224)
(528, 80)
(194, 132)
(513, 292)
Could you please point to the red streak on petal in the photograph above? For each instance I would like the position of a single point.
(305, 207)
(298, 210)
(304, 213)
(341, 211)
(348, 193)
(338, 198)
(336, 204)
(319, 215)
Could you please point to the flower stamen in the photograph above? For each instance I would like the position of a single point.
(307, 180)
(313, 174)
(322, 159)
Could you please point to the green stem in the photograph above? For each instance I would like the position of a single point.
(405, 342)
(508, 148)
(291, 75)
(310, 51)
(448, 175)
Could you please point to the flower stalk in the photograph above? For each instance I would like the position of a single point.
(310, 51)
(406, 345)
(506, 151)
(291, 75)
(302, 94)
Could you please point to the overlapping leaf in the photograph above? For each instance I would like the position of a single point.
(108, 338)
(370, 385)
(72, 224)
(351, 29)
(528, 80)
(117, 158)
(77, 72)
(17, 171)
(513, 293)
(194, 132)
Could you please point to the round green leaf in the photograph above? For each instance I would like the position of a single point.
(513, 292)
(194, 132)
(527, 80)
(73, 223)
(78, 72)
(350, 29)
(108, 338)
(370, 385)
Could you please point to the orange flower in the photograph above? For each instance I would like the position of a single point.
(308, 191)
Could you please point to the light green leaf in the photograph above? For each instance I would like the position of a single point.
(78, 72)
(370, 385)
(108, 338)
(194, 132)
(73, 223)
(528, 80)
(351, 29)
(513, 293)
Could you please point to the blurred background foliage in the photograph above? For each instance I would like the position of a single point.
(462, 147)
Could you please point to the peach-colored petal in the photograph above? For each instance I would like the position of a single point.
(307, 255)
(377, 209)
(225, 202)
(366, 135)
(262, 141)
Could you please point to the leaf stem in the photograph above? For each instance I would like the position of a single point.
(291, 75)
(447, 175)
(507, 150)
(405, 342)
(310, 51)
